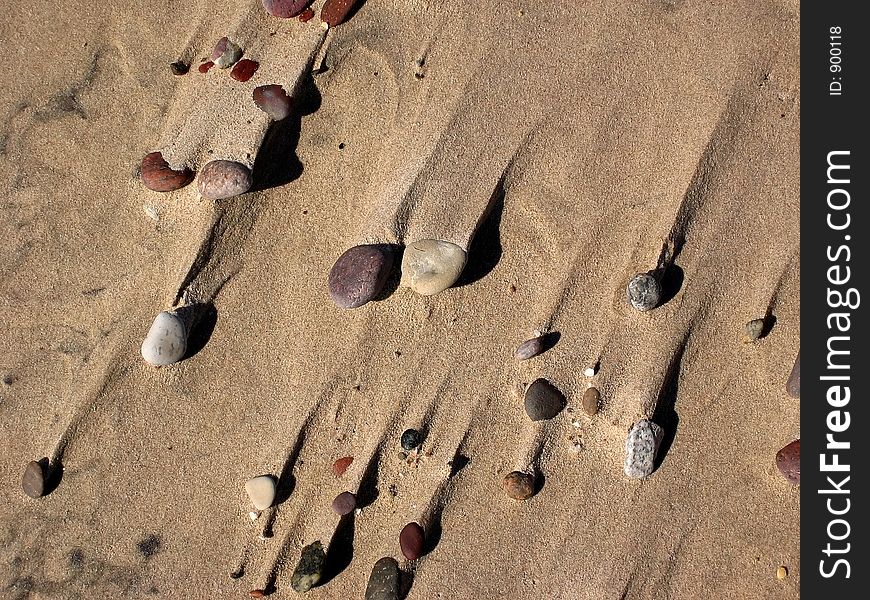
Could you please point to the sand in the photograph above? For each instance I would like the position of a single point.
(562, 144)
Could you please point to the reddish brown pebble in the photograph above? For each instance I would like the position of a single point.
(344, 504)
(285, 9)
(519, 485)
(788, 461)
(33, 481)
(272, 100)
(204, 67)
(591, 398)
(158, 177)
(341, 465)
(334, 12)
(221, 179)
(411, 541)
(306, 15)
(793, 385)
(258, 593)
(359, 275)
(244, 69)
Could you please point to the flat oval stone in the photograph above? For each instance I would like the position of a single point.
(179, 68)
(432, 266)
(221, 179)
(793, 385)
(384, 581)
(641, 447)
(261, 491)
(334, 12)
(519, 485)
(788, 461)
(272, 100)
(306, 15)
(33, 481)
(341, 465)
(309, 569)
(530, 348)
(205, 67)
(591, 398)
(244, 69)
(644, 291)
(543, 401)
(166, 341)
(359, 275)
(411, 541)
(226, 53)
(285, 9)
(344, 504)
(157, 176)
(411, 438)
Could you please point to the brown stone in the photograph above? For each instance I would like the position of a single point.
(793, 385)
(33, 481)
(591, 398)
(411, 541)
(359, 275)
(285, 9)
(788, 461)
(306, 15)
(258, 593)
(344, 504)
(273, 100)
(157, 176)
(205, 67)
(221, 179)
(519, 485)
(334, 12)
(244, 69)
(341, 465)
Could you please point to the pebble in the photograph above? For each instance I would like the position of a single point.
(384, 581)
(753, 330)
(781, 572)
(543, 401)
(33, 481)
(258, 593)
(226, 53)
(273, 100)
(641, 447)
(519, 485)
(166, 341)
(530, 348)
(589, 371)
(261, 491)
(285, 9)
(222, 179)
(341, 465)
(359, 275)
(788, 461)
(793, 385)
(411, 438)
(206, 66)
(334, 12)
(179, 68)
(344, 504)
(306, 15)
(591, 398)
(157, 176)
(244, 69)
(310, 568)
(411, 541)
(431, 266)
(644, 291)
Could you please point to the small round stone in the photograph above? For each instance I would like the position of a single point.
(641, 447)
(359, 275)
(753, 330)
(344, 504)
(157, 176)
(543, 401)
(411, 541)
(244, 69)
(431, 266)
(644, 291)
(285, 9)
(519, 485)
(334, 12)
(781, 572)
(309, 569)
(411, 438)
(205, 67)
(591, 398)
(384, 581)
(788, 461)
(589, 371)
(258, 593)
(272, 100)
(179, 68)
(166, 341)
(261, 490)
(33, 481)
(226, 53)
(530, 348)
(222, 179)
(793, 385)
(341, 465)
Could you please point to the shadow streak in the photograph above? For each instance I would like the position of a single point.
(340, 552)
(665, 414)
(485, 249)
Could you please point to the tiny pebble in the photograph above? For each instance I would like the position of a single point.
(220, 179)
(543, 401)
(226, 53)
(157, 176)
(384, 581)
(644, 291)
(781, 573)
(272, 100)
(309, 569)
(285, 9)
(151, 212)
(359, 275)
(258, 593)
(402, 455)
(344, 504)
(253, 515)
(206, 66)
(641, 447)
(530, 348)
(334, 12)
(166, 341)
(33, 481)
(306, 15)
(341, 465)
(788, 461)
(591, 398)
(793, 385)
(411, 541)
(431, 266)
(261, 491)
(753, 330)
(179, 68)
(519, 485)
(411, 439)
(589, 371)
(244, 69)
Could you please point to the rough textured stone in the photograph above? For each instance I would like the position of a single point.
(221, 179)
(411, 438)
(273, 100)
(226, 53)
(591, 398)
(261, 491)
(309, 569)
(519, 485)
(753, 330)
(359, 275)
(384, 580)
(334, 12)
(530, 348)
(344, 503)
(244, 69)
(166, 341)
(341, 465)
(644, 291)
(157, 176)
(788, 461)
(793, 385)
(543, 401)
(285, 9)
(33, 481)
(641, 447)
(179, 68)
(411, 541)
(432, 266)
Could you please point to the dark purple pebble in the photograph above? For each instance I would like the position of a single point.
(273, 100)
(411, 541)
(344, 504)
(359, 275)
(33, 481)
(793, 385)
(285, 9)
(530, 348)
(788, 461)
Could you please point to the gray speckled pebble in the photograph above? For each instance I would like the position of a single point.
(310, 568)
(641, 447)
(530, 348)
(221, 179)
(384, 580)
(793, 385)
(644, 292)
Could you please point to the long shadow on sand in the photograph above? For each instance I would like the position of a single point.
(485, 250)
(665, 413)
(340, 552)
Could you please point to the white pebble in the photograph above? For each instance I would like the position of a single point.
(253, 515)
(589, 371)
(261, 491)
(151, 212)
(166, 341)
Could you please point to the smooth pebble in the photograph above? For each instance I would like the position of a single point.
(781, 572)
(179, 68)
(261, 491)
(166, 341)
(344, 503)
(272, 100)
(33, 481)
(258, 593)
(306, 15)
(411, 541)
(530, 348)
(244, 69)
(309, 569)
(644, 291)
(341, 465)
(753, 330)
(519, 485)
(156, 174)
(334, 12)
(641, 447)
(411, 438)
(591, 398)
(205, 67)
(359, 275)
(285, 9)
(589, 371)
(384, 581)
(226, 53)
(788, 461)
(222, 179)
(431, 266)
(793, 385)
(543, 401)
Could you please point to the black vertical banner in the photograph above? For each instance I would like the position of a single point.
(835, 300)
